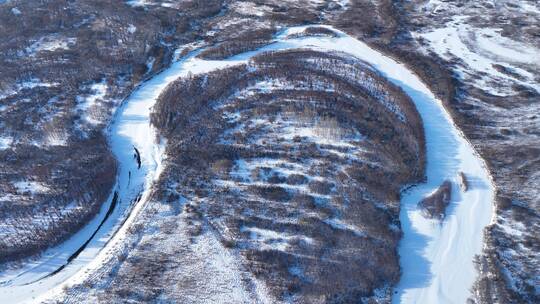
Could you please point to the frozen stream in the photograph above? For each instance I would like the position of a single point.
(436, 258)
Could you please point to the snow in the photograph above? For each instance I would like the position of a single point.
(132, 28)
(86, 102)
(269, 85)
(225, 268)
(340, 224)
(319, 135)
(30, 186)
(15, 11)
(243, 168)
(168, 4)
(325, 133)
(56, 139)
(436, 258)
(479, 50)
(150, 63)
(532, 9)
(5, 142)
(250, 9)
(513, 230)
(272, 240)
(99, 91)
(34, 83)
(343, 3)
(490, 40)
(136, 3)
(50, 43)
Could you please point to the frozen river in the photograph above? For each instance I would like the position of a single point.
(436, 258)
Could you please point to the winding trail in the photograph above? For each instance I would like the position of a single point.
(436, 258)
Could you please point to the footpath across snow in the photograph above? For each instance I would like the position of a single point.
(436, 257)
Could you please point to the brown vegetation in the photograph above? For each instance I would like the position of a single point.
(434, 205)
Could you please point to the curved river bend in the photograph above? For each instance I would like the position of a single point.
(436, 258)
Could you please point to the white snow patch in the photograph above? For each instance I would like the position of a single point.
(132, 28)
(5, 142)
(30, 186)
(51, 43)
(150, 63)
(340, 224)
(15, 11)
(480, 50)
(99, 91)
(269, 85)
(529, 8)
(57, 138)
(136, 3)
(319, 135)
(490, 40)
(250, 9)
(225, 272)
(34, 83)
(86, 102)
(270, 239)
(323, 131)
